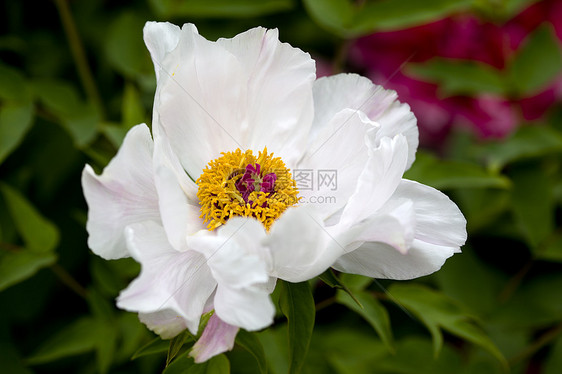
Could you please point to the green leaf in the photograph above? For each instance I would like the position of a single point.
(76, 338)
(537, 62)
(551, 250)
(13, 85)
(252, 344)
(297, 304)
(132, 108)
(156, 345)
(355, 281)
(80, 119)
(460, 77)
(536, 303)
(532, 203)
(372, 311)
(106, 344)
(331, 280)
(347, 19)
(175, 345)
(39, 234)
(124, 47)
(219, 8)
(447, 174)
(185, 365)
(436, 311)
(15, 122)
(553, 363)
(481, 294)
(527, 142)
(10, 360)
(20, 265)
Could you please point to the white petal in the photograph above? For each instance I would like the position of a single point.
(218, 337)
(165, 323)
(334, 162)
(279, 80)
(198, 99)
(177, 198)
(249, 308)
(123, 194)
(239, 263)
(234, 253)
(378, 181)
(338, 92)
(379, 260)
(178, 281)
(440, 230)
(161, 38)
(393, 225)
(300, 247)
(438, 220)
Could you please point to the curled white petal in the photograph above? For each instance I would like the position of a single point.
(123, 194)
(240, 267)
(218, 337)
(169, 280)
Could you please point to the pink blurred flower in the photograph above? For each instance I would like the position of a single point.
(462, 36)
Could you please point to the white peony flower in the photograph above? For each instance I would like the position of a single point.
(256, 171)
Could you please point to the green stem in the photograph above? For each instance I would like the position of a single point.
(543, 340)
(69, 281)
(78, 54)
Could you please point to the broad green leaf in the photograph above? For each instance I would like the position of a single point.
(106, 344)
(156, 345)
(355, 281)
(175, 345)
(414, 356)
(460, 77)
(482, 206)
(10, 360)
(80, 119)
(372, 311)
(76, 338)
(532, 203)
(39, 234)
(436, 311)
(537, 62)
(185, 365)
(347, 350)
(481, 294)
(124, 47)
(131, 334)
(536, 303)
(297, 304)
(527, 142)
(551, 250)
(252, 344)
(13, 85)
(15, 122)
(447, 174)
(331, 280)
(114, 132)
(553, 363)
(347, 19)
(219, 8)
(132, 108)
(20, 265)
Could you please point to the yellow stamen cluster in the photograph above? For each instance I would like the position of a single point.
(220, 199)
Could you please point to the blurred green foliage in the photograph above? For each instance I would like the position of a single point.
(75, 76)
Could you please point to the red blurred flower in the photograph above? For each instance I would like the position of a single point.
(462, 36)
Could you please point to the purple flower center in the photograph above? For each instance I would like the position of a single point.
(253, 181)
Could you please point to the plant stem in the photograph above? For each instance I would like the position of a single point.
(543, 340)
(69, 281)
(78, 54)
